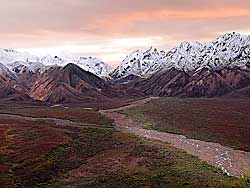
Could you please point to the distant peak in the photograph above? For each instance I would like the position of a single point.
(70, 66)
(32, 62)
(229, 49)
(229, 35)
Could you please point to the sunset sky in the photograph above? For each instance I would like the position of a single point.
(110, 29)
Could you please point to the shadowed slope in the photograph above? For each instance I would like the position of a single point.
(202, 83)
(70, 83)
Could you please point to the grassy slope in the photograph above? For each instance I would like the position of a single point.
(226, 121)
(42, 154)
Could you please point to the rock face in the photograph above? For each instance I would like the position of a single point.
(229, 50)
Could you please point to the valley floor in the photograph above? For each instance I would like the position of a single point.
(76, 147)
(224, 121)
(232, 162)
(154, 120)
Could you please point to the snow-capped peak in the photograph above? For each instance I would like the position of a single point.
(19, 62)
(231, 49)
(140, 63)
(90, 64)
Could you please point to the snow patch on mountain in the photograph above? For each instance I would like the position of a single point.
(90, 64)
(140, 63)
(231, 49)
(19, 62)
(11, 56)
(19, 66)
(4, 71)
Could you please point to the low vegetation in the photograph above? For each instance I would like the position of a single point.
(243, 182)
(43, 154)
(218, 120)
(83, 115)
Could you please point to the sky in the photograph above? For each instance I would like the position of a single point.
(111, 29)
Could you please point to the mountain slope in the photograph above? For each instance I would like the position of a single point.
(202, 83)
(10, 80)
(229, 50)
(55, 84)
(10, 94)
(69, 83)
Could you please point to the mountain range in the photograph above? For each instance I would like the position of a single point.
(220, 68)
(18, 62)
(229, 50)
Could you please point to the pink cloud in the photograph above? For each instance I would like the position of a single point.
(49, 23)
